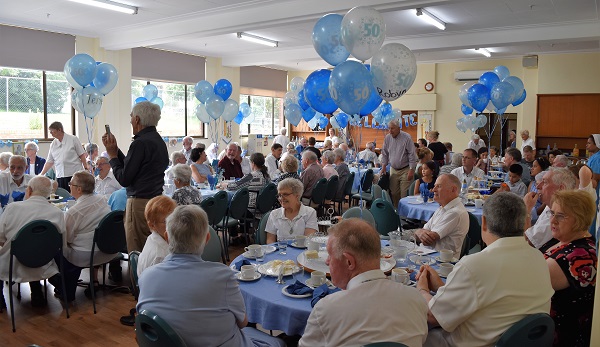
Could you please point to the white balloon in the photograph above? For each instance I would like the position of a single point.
(363, 32)
(394, 69)
(296, 85)
(231, 110)
(201, 114)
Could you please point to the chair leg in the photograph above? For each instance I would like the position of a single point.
(64, 291)
(10, 299)
(18, 290)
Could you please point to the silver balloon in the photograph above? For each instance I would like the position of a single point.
(394, 69)
(363, 32)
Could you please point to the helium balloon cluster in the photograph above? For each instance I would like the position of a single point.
(150, 93)
(215, 102)
(91, 80)
(495, 91)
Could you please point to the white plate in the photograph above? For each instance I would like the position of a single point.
(326, 223)
(285, 292)
(267, 248)
(269, 270)
(240, 278)
(309, 283)
(454, 260)
(413, 259)
(55, 200)
(293, 244)
(319, 264)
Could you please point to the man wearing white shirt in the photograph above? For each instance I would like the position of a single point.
(15, 180)
(449, 224)
(66, 155)
(476, 143)
(527, 141)
(368, 155)
(244, 161)
(468, 170)
(106, 183)
(282, 138)
(187, 148)
(272, 161)
(332, 136)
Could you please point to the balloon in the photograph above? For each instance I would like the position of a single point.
(223, 88)
(91, 101)
(203, 90)
(342, 119)
(394, 69)
(302, 101)
(500, 111)
(290, 98)
(150, 91)
(239, 118)
(158, 101)
(246, 110)
(316, 91)
(296, 85)
(460, 125)
(334, 123)
(488, 79)
(314, 122)
(215, 106)
(77, 101)
(466, 110)
(501, 94)
(293, 114)
(479, 96)
(308, 114)
(363, 32)
(521, 99)
(323, 121)
(140, 99)
(463, 93)
(354, 119)
(80, 70)
(490, 106)
(202, 115)
(481, 120)
(517, 86)
(249, 119)
(502, 72)
(349, 86)
(106, 78)
(373, 102)
(386, 109)
(326, 38)
(397, 114)
(231, 110)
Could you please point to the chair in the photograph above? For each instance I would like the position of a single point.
(536, 330)
(475, 242)
(347, 192)
(222, 203)
(386, 196)
(266, 198)
(385, 216)
(109, 237)
(214, 216)
(153, 331)
(366, 182)
(464, 249)
(63, 193)
(318, 194)
(35, 245)
(261, 234)
(331, 190)
(411, 189)
(237, 211)
(212, 250)
(386, 344)
(362, 213)
(133, 276)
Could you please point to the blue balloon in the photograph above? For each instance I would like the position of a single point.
(316, 91)
(245, 109)
(215, 106)
(502, 72)
(158, 101)
(80, 70)
(314, 122)
(223, 88)
(140, 99)
(374, 99)
(293, 113)
(342, 119)
(385, 108)
(326, 38)
(518, 87)
(466, 110)
(323, 121)
(350, 86)
(239, 118)
(488, 79)
(203, 90)
(478, 96)
(150, 91)
(308, 114)
(501, 111)
(521, 99)
(502, 94)
(301, 101)
(106, 78)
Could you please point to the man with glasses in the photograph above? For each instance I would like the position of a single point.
(468, 170)
(35, 163)
(106, 183)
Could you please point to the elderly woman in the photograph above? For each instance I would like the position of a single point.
(327, 146)
(91, 150)
(255, 180)
(185, 193)
(456, 162)
(439, 150)
(292, 218)
(571, 258)
(156, 247)
(512, 139)
(290, 150)
(327, 161)
(289, 168)
(200, 170)
(430, 171)
(4, 159)
(35, 164)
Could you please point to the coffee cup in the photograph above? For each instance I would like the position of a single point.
(317, 278)
(248, 271)
(479, 203)
(446, 255)
(445, 269)
(400, 275)
(313, 246)
(253, 250)
(300, 240)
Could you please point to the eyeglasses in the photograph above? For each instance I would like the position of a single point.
(73, 185)
(558, 216)
(284, 195)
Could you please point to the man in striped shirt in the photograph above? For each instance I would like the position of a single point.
(399, 152)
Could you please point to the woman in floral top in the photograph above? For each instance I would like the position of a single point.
(255, 180)
(571, 257)
(185, 193)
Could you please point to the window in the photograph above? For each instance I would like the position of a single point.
(22, 95)
(178, 113)
(267, 113)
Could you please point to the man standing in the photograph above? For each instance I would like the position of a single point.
(14, 183)
(66, 155)
(231, 167)
(476, 143)
(468, 170)
(369, 308)
(282, 138)
(106, 183)
(141, 171)
(187, 149)
(398, 151)
(488, 292)
(513, 156)
(310, 175)
(272, 161)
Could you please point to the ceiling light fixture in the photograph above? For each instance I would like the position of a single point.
(483, 51)
(257, 39)
(110, 5)
(430, 19)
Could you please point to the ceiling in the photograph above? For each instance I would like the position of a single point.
(507, 28)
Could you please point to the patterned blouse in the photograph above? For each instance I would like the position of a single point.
(187, 195)
(572, 307)
(255, 181)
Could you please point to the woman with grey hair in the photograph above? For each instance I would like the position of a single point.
(4, 159)
(185, 193)
(290, 151)
(327, 161)
(289, 168)
(292, 218)
(35, 164)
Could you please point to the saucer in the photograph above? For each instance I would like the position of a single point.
(442, 276)
(295, 296)
(293, 244)
(454, 260)
(240, 278)
(309, 283)
(414, 258)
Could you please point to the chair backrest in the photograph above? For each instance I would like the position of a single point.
(332, 187)
(319, 191)
(133, 276)
(385, 216)
(63, 193)
(153, 331)
(535, 330)
(261, 233)
(411, 188)
(110, 233)
(36, 244)
(266, 198)
(367, 181)
(349, 184)
(212, 250)
(386, 196)
(386, 344)
(474, 232)
(376, 191)
(239, 204)
(222, 203)
(357, 212)
(464, 250)
(208, 205)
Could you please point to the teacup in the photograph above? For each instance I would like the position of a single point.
(446, 255)
(313, 246)
(479, 203)
(253, 250)
(317, 278)
(445, 269)
(300, 240)
(247, 271)
(400, 275)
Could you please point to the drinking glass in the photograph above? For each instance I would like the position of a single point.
(282, 244)
(401, 253)
(260, 254)
(299, 276)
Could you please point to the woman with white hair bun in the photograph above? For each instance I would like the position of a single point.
(185, 193)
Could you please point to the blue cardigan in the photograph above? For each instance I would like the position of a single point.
(39, 165)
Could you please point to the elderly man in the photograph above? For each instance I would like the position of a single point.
(176, 158)
(370, 308)
(187, 149)
(488, 292)
(15, 216)
(14, 183)
(66, 155)
(231, 167)
(455, 163)
(178, 292)
(106, 183)
(368, 155)
(476, 143)
(311, 173)
(272, 161)
(513, 156)
(554, 180)
(527, 141)
(141, 171)
(560, 161)
(302, 144)
(398, 151)
(35, 163)
(282, 138)
(449, 224)
(468, 170)
(342, 169)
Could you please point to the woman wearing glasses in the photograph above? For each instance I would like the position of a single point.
(292, 218)
(571, 257)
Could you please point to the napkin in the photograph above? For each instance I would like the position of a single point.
(211, 181)
(321, 292)
(18, 196)
(299, 288)
(239, 264)
(3, 200)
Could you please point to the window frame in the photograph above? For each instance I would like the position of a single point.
(274, 132)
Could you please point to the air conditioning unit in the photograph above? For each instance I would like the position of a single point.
(469, 75)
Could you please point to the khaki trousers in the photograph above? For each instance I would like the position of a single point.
(136, 227)
(399, 184)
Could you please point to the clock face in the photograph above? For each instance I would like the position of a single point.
(428, 86)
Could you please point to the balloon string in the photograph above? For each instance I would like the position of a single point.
(88, 130)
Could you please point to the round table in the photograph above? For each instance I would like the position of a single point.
(410, 208)
(359, 173)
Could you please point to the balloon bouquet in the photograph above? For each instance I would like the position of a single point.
(150, 93)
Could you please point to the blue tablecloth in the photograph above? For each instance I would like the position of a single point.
(407, 207)
(358, 174)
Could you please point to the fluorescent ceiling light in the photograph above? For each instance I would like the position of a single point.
(430, 19)
(110, 5)
(483, 51)
(257, 39)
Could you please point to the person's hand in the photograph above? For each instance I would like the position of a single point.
(427, 237)
(110, 143)
(410, 175)
(428, 279)
(530, 200)
(382, 171)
